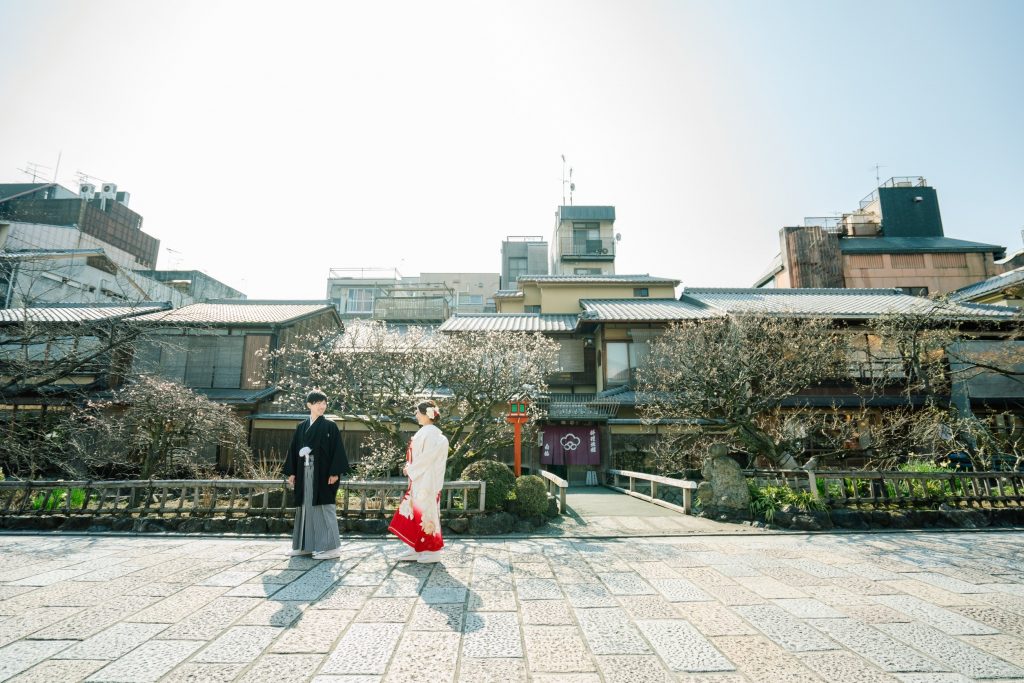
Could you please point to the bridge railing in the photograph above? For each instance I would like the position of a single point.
(614, 480)
(556, 488)
(840, 488)
(214, 497)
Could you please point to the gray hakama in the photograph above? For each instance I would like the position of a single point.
(316, 526)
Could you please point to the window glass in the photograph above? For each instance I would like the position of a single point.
(623, 358)
(517, 267)
(360, 300)
(617, 363)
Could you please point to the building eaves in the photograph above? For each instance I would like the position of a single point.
(509, 322)
(994, 284)
(247, 312)
(774, 269)
(10, 191)
(835, 303)
(915, 245)
(76, 313)
(586, 213)
(508, 294)
(643, 310)
(237, 396)
(640, 279)
(30, 254)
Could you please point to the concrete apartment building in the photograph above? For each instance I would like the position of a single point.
(426, 300)
(58, 247)
(522, 255)
(584, 241)
(894, 239)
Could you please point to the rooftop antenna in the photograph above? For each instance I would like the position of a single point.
(569, 182)
(84, 178)
(57, 169)
(35, 170)
(878, 174)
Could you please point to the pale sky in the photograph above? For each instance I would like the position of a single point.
(268, 142)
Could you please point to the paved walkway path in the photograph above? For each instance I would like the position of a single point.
(904, 607)
(598, 511)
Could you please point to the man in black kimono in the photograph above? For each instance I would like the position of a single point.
(314, 464)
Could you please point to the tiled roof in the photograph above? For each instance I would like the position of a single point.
(508, 294)
(993, 284)
(608, 310)
(509, 322)
(70, 313)
(839, 303)
(642, 279)
(241, 312)
(586, 213)
(905, 245)
(237, 396)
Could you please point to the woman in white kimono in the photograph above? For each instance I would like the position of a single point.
(418, 519)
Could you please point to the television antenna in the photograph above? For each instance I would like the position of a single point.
(84, 178)
(35, 170)
(569, 182)
(878, 174)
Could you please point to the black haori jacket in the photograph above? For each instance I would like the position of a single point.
(328, 459)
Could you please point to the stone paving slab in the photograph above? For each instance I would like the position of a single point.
(958, 655)
(63, 670)
(869, 608)
(148, 662)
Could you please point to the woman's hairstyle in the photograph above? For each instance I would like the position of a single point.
(428, 408)
(316, 396)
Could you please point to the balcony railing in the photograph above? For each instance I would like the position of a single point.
(411, 308)
(588, 250)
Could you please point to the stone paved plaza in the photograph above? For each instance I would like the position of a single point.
(913, 607)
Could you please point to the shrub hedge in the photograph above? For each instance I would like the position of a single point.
(499, 478)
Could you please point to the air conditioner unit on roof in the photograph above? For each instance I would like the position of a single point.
(109, 190)
(86, 190)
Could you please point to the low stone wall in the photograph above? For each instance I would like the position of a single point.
(490, 523)
(944, 517)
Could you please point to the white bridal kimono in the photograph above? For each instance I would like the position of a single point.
(418, 520)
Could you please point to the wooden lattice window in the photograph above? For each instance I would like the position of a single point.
(907, 261)
(949, 260)
(865, 261)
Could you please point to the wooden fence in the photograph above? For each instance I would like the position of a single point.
(687, 487)
(843, 488)
(216, 497)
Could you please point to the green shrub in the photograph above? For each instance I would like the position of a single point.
(531, 496)
(56, 498)
(499, 478)
(767, 500)
(935, 491)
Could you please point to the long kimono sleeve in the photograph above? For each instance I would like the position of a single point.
(291, 457)
(339, 460)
